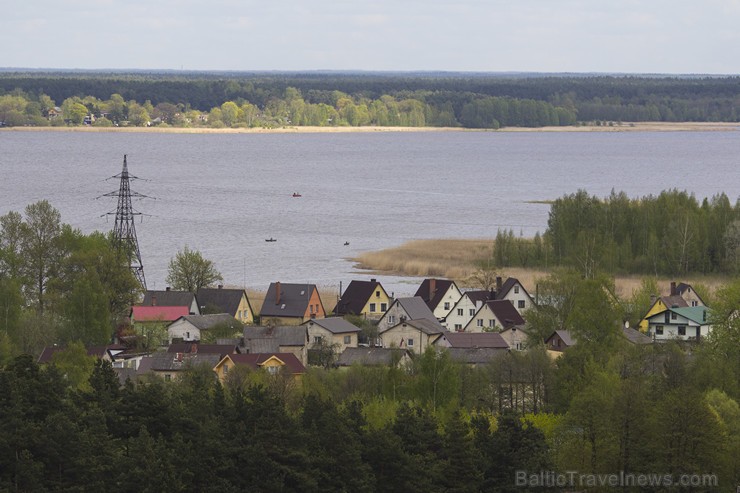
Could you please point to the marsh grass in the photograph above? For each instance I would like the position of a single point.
(459, 259)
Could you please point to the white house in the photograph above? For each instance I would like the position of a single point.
(684, 324)
(440, 295)
(190, 328)
(514, 291)
(333, 330)
(465, 309)
(402, 309)
(494, 316)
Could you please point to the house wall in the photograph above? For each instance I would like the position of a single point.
(671, 329)
(691, 298)
(314, 309)
(515, 338)
(555, 343)
(451, 297)
(486, 315)
(194, 308)
(402, 332)
(392, 317)
(378, 298)
(300, 352)
(520, 297)
(243, 312)
(658, 307)
(338, 339)
(182, 329)
(455, 322)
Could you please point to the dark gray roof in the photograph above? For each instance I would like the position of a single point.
(475, 356)
(355, 297)
(293, 300)
(286, 335)
(565, 336)
(164, 361)
(197, 347)
(429, 327)
(478, 295)
(205, 322)
(475, 340)
(415, 308)
(370, 356)
(261, 345)
(227, 300)
(335, 325)
(635, 336)
(125, 374)
(168, 298)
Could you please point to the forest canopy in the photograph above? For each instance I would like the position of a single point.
(230, 99)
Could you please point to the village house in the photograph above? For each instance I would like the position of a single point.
(515, 337)
(402, 309)
(366, 298)
(170, 366)
(514, 291)
(495, 315)
(235, 302)
(440, 295)
(193, 327)
(476, 348)
(465, 308)
(334, 331)
(291, 304)
(635, 336)
(414, 335)
(169, 297)
(272, 363)
(689, 323)
(680, 296)
(281, 339)
(559, 341)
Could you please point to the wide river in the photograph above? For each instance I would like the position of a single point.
(224, 194)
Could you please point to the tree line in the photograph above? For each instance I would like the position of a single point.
(466, 100)
(668, 234)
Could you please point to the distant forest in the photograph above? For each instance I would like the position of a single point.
(357, 99)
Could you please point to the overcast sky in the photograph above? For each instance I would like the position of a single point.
(635, 36)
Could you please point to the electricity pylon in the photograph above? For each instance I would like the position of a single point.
(124, 230)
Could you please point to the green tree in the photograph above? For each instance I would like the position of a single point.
(189, 271)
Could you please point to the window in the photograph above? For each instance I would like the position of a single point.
(458, 327)
(383, 307)
(410, 342)
(372, 307)
(317, 339)
(682, 330)
(167, 377)
(187, 335)
(447, 305)
(238, 314)
(673, 316)
(273, 370)
(391, 319)
(659, 330)
(311, 308)
(479, 322)
(491, 322)
(471, 312)
(377, 294)
(226, 369)
(460, 312)
(521, 303)
(694, 303)
(348, 339)
(516, 289)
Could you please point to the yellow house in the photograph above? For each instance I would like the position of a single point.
(272, 363)
(291, 304)
(232, 301)
(366, 298)
(681, 296)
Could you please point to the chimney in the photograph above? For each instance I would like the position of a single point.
(220, 286)
(492, 295)
(673, 288)
(373, 280)
(432, 287)
(498, 283)
(154, 301)
(277, 293)
(167, 288)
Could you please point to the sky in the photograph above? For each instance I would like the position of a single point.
(606, 36)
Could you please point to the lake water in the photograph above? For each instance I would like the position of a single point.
(225, 194)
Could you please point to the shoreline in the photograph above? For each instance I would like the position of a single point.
(623, 127)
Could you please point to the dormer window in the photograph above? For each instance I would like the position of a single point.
(282, 307)
(516, 289)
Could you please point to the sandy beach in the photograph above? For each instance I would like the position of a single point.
(622, 127)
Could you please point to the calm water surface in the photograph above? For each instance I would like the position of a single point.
(225, 194)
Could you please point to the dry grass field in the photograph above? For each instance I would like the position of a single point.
(459, 259)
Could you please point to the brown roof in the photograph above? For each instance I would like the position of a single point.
(475, 340)
(433, 290)
(226, 300)
(193, 348)
(505, 312)
(507, 286)
(256, 360)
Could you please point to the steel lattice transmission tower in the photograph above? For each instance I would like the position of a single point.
(124, 230)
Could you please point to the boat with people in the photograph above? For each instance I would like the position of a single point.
(270, 240)
(296, 194)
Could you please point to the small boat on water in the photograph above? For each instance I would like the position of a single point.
(346, 243)
(296, 194)
(270, 240)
